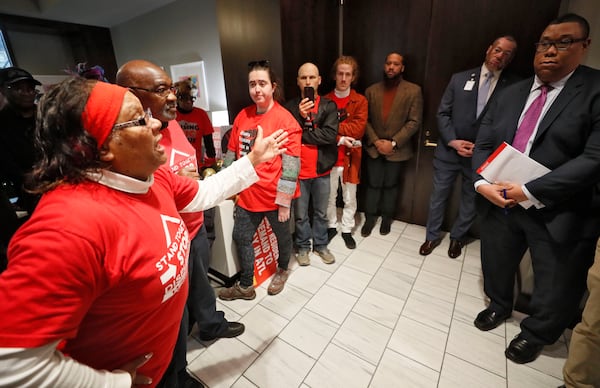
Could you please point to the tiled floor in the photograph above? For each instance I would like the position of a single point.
(380, 316)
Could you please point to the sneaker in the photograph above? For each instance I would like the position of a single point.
(303, 258)
(349, 240)
(326, 256)
(278, 281)
(331, 233)
(237, 292)
(367, 228)
(386, 226)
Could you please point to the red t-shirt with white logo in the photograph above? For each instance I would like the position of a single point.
(261, 196)
(102, 269)
(180, 153)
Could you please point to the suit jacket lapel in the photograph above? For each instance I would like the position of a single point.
(377, 103)
(473, 95)
(569, 91)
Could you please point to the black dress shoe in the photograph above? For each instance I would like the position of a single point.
(428, 247)
(331, 232)
(349, 240)
(233, 330)
(455, 248)
(522, 351)
(489, 319)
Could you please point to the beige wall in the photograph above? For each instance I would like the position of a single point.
(183, 31)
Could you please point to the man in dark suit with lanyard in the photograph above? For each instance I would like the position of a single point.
(463, 104)
(554, 118)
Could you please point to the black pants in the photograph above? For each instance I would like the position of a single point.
(560, 270)
(383, 184)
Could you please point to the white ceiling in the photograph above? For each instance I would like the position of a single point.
(103, 13)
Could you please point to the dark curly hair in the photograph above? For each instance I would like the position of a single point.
(66, 150)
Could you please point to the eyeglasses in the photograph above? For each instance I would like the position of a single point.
(261, 63)
(141, 122)
(184, 97)
(561, 45)
(162, 91)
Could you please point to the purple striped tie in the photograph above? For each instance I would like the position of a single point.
(529, 120)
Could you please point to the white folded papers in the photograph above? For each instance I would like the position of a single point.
(507, 164)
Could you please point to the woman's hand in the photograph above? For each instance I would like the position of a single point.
(267, 148)
(132, 367)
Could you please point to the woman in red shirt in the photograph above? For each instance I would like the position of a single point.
(272, 195)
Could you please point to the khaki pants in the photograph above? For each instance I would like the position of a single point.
(582, 369)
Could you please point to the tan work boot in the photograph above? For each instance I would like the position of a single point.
(278, 281)
(237, 292)
(326, 256)
(303, 258)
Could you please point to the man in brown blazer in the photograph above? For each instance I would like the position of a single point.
(395, 114)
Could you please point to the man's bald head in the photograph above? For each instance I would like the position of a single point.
(308, 67)
(152, 85)
(308, 75)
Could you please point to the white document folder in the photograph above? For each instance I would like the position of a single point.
(507, 164)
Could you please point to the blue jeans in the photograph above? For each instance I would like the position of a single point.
(317, 190)
(244, 227)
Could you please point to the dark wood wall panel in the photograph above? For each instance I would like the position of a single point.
(375, 28)
(309, 33)
(249, 30)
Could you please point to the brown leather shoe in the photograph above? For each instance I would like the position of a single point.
(455, 248)
(428, 247)
(237, 291)
(278, 281)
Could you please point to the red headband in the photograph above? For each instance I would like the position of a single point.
(102, 109)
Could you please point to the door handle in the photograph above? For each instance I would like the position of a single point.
(427, 142)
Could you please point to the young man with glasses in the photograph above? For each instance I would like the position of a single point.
(156, 92)
(554, 118)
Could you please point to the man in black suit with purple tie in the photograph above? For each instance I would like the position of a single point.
(463, 104)
(556, 216)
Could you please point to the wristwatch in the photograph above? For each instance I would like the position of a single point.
(394, 145)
